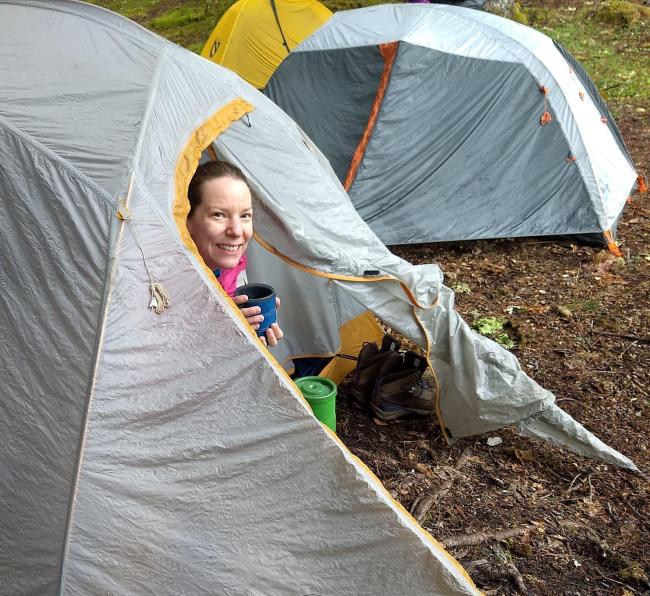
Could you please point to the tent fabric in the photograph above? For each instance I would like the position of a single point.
(170, 452)
(254, 36)
(143, 452)
(478, 4)
(458, 150)
(590, 88)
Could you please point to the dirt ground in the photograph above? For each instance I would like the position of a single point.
(528, 517)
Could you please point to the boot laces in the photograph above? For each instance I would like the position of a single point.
(420, 386)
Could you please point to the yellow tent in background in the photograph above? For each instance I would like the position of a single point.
(254, 36)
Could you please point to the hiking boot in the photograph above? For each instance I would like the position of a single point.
(369, 362)
(401, 390)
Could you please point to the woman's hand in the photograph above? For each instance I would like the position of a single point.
(251, 314)
(273, 335)
(254, 318)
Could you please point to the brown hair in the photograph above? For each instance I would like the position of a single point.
(208, 171)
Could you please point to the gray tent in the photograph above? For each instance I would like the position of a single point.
(447, 124)
(464, 3)
(148, 442)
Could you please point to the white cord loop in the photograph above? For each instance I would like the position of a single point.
(159, 296)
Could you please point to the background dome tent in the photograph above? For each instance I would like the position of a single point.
(464, 3)
(458, 124)
(165, 447)
(254, 36)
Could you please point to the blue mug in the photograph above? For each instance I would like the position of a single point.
(261, 295)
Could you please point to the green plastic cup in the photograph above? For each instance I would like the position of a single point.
(320, 393)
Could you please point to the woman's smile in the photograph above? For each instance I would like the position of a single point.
(230, 247)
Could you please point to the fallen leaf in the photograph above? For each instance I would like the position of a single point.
(424, 469)
(538, 309)
(540, 526)
(461, 288)
(493, 267)
(609, 279)
(523, 549)
(525, 455)
(633, 571)
(604, 261)
(554, 545)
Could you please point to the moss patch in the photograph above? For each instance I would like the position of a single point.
(620, 13)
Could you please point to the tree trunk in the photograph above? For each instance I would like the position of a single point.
(501, 7)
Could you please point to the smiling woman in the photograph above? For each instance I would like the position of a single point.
(220, 222)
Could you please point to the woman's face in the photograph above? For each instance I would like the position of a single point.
(222, 225)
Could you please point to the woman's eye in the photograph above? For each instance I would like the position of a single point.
(247, 216)
(217, 214)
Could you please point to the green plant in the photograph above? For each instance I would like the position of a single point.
(493, 327)
(462, 288)
(176, 18)
(518, 14)
(589, 305)
(539, 17)
(488, 325)
(335, 5)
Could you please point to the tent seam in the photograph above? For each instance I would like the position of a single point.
(241, 8)
(111, 269)
(313, 269)
(346, 278)
(374, 115)
(82, 431)
(376, 485)
(55, 157)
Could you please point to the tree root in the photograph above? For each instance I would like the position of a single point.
(496, 573)
(422, 505)
(479, 537)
